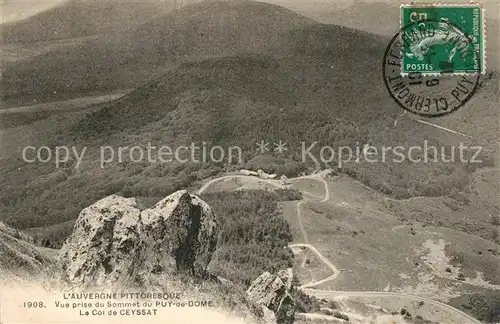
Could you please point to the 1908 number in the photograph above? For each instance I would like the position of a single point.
(33, 304)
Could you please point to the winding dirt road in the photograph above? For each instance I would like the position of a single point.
(467, 319)
(336, 272)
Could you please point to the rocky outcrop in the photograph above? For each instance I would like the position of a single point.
(183, 227)
(114, 242)
(19, 257)
(273, 292)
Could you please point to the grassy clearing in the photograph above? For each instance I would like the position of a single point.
(358, 226)
(311, 186)
(359, 244)
(308, 267)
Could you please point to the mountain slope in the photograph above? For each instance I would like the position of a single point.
(321, 83)
(229, 101)
(103, 64)
(310, 83)
(79, 18)
(19, 256)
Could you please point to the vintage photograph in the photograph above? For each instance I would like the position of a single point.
(250, 162)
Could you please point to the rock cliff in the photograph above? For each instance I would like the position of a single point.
(273, 292)
(115, 243)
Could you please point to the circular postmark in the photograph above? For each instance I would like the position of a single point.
(431, 68)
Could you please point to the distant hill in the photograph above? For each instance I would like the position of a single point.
(383, 18)
(80, 18)
(15, 10)
(378, 17)
(151, 42)
(194, 32)
(314, 83)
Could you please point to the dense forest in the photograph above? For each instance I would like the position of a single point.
(254, 236)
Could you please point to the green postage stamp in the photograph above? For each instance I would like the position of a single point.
(442, 38)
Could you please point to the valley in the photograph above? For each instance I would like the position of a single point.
(382, 297)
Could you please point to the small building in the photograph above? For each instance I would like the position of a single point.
(248, 172)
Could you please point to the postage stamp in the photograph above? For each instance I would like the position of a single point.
(435, 92)
(443, 38)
